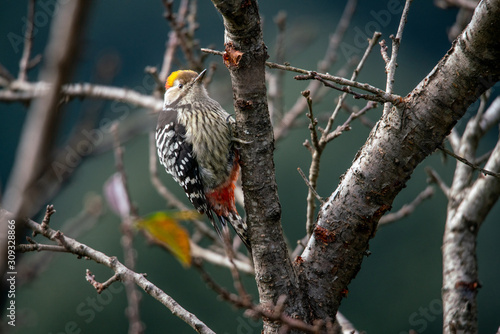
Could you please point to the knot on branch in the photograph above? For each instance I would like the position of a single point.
(231, 56)
(243, 104)
(323, 235)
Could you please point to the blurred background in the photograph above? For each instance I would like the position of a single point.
(399, 285)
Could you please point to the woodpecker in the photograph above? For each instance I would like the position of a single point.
(196, 146)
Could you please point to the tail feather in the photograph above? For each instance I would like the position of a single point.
(239, 226)
(214, 224)
(237, 223)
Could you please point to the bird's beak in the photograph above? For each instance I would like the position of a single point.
(200, 76)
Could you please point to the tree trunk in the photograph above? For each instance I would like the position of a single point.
(245, 58)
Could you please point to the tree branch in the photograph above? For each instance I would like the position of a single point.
(127, 239)
(348, 219)
(21, 92)
(468, 163)
(125, 274)
(273, 270)
(378, 94)
(396, 42)
(460, 275)
(435, 178)
(40, 128)
(330, 57)
(407, 209)
(469, 203)
(28, 43)
(326, 136)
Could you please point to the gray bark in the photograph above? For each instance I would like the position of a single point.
(396, 145)
(273, 270)
(469, 202)
(406, 135)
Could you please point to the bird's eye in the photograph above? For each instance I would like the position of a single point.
(180, 86)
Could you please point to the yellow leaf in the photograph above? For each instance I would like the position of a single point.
(165, 230)
(186, 215)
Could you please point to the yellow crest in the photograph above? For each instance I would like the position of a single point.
(183, 75)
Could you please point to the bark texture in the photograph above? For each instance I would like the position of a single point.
(469, 202)
(396, 145)
(245, 56)
(318, 279)
(460, 272)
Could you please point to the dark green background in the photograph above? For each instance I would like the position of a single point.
(398, 287)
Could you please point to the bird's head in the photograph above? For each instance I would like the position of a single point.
(184, 85)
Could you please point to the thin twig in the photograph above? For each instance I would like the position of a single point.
(347, 124)
(153, 71)
(82, 222)
(219, 259)
(118, 150)
(372, 42)
(435, 178)
(336, 38)
(49, 211)
(315, 193)
(396, 42)
(234, 270)
(326, 136)
(100, 287)
(277, 97)
(345, 89)
(184, 37)
(383, 52)
(125, 274)
(25, 248)
(379, 95)
(28, 42)
(407, 209)
(23, 92)
(5, 74)
(168, 57)
(272, 312)
(466, 152)
(314, 121)
(468, 163)
(362, 119)
(465, 4)
(212, 284)
(210, 74)
(127, 240)
(40, 128)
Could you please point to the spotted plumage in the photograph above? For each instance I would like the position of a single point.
(195, 145)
